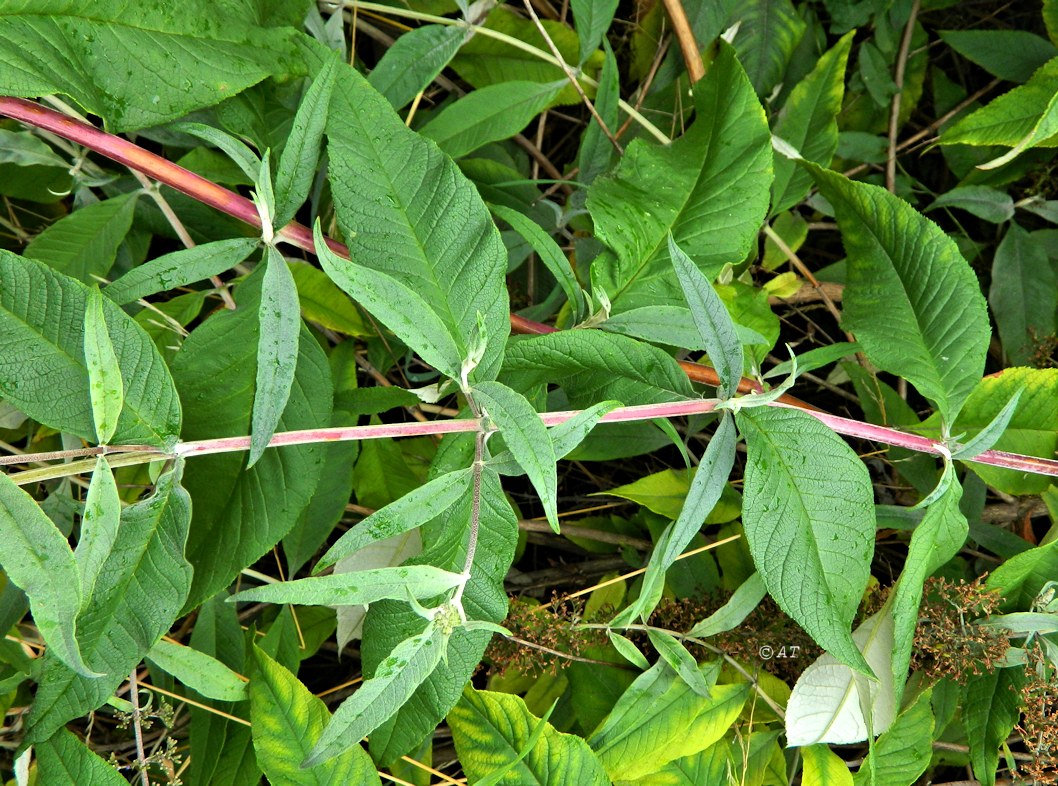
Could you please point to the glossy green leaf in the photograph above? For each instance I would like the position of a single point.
(287, 721)
(1011, 55)
(809, 518)
(100, 523)
(1023, 295)
(323, 303)
(808, 121)
(400, 308)
(241, 513)
(417, 219)
(37, 559)
(358, 588)
(217, 51)
(65, 759)
(712, 319)
(85, 243)
(911, 299)
(550, 254)
(985, 202)
(180, 268)
(489, 114)
(990, 708)
(297, 164)
(411, 510)
(138, 595)
(490, 729)
(710, 189)
(660, 719)
(937, 538)
(105, 389)
(380, 696)
(903, 753)
(768, 32)
(198, 671)
(823, 767)
(526, 437)
(277, 350)
(414, 60)
(1033, 430)
(42, 367)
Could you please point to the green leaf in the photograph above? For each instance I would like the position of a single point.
(526, 437)
(287, 721)
(903, 753)
(809, 518)
(65, 759)
(1011, 55)
(568, 435)
(25, 148)
(241, 513)
(490, 729)
(198, 671)
(987, 436)
(741, 603)
(417, 219)
(808, 121)
(140, 590)
(379, 697)
(710, 479)
(823, 767)
(937, 538)
(209, 52)
(415, 60)
(596, 150)
(660, 719)
(592, 18)
(1024, 117)
(489, 114)
(357, 588)
(985, 202)
(768, 33)
(1033, 430)
(628, 650)
(550, 254)
(233, 147)
(180, 268)
(411, 510)
(1023, 575)
(85, 243)
(709, 189)
(105, 389)
(277, 350)
(100, 523)
(323, 303)
(990, 708)
(399, 307)
(708, 766)
(42, 367)
(37, 559)
(712, 319)
(680, 660)
(297, 164)
(1023, 295)
(911, 299)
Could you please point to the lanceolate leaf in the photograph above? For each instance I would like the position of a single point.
(42, 365)
(767, 34)
(138, 595)
(712, 320)
(414, 60)
(100, 523)
(709, 189)
(277, 350)
(808, 121)
(65, 759)
(903, 753)
(357, 588)
(180, 268)
(297, 165)
(809, 520)
(379, 697)
(198, 671)
(37, 559)
(105, 389)
(526, 437)
(491, 729)
(408, 211)
(241, 513)
(287, 721)
(912, 301)
(592, 19)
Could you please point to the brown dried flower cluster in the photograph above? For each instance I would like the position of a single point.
(1039, 720)
(948, 640)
